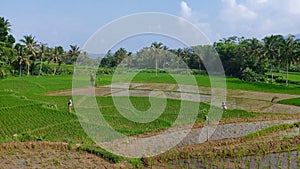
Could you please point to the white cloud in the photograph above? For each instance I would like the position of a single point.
(198, 19)
(186, 11)
(248, 18)
(234, 12)
(258, 18)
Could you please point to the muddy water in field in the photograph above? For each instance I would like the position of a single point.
(236, 99)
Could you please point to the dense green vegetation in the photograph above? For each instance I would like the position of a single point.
(247, 59)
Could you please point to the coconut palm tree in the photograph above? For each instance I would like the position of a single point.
(289, 54)
(56, 56)
(157, 47)
(42, 55)
(7, 24)
(252, 51)
(22, 57)
(271, 50)
(5, 29)
(31, 47)
(73, 53)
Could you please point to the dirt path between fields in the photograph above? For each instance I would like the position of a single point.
(236, 99)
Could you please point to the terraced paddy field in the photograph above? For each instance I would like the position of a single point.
(33, 111)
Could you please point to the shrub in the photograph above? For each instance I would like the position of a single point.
(249, 75)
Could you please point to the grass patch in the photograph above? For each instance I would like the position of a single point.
(136, 162)
(294, 101)
(204, 80)
(237, 114)
(290, 137)
(292, 76)
(271, 130)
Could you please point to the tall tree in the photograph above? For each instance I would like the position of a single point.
(56, 57)
(157, 47)
(290, 52)
(230, 55)
(7, 53)
(252, 51)
(271, 51)
(179, 54)
(119, 55)
(21, 55)
(74, 53)
(31, 46)
(42, 55)
(4, 29)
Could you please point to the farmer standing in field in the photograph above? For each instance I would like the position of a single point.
(70, 104)
(224, 107)
(92, 80)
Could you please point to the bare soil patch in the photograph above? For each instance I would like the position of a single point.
(50, 155)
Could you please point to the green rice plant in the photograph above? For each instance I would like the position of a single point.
(224, 153)
(259, 160)
(181, 164)
(270, 162)
(236, 164)
(28, 162)
(298, 155)
(211, 165)
(173, 154)
(279, 161)
(188, 159)
(205, 161)
(101, 152)
(231, 153)
(240, 155)
(217, 161)
(211, 155)
(166, 157)
(150, 162)
(247, 164)
(289, 158)
(293, 101)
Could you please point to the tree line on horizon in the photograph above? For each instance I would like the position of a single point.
(247, 59)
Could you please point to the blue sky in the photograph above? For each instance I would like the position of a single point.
(65, 22)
